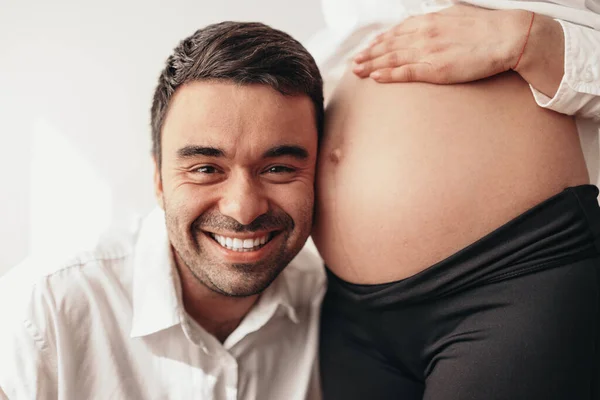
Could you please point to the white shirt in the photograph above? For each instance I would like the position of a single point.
(110, 325)
(351, 24)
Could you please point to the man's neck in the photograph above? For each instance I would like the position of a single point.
(218, 314)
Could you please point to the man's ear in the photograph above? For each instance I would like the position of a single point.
(158, 186)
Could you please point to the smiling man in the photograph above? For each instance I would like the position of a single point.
(238, 196)
(209, 299)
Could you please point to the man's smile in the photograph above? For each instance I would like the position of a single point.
(244, 247)
(243, 243)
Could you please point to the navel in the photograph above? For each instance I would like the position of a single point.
(335, 155)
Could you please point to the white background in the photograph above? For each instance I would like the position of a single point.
(76, 81)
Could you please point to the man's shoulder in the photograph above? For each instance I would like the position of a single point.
(58, 273)
(48, 301)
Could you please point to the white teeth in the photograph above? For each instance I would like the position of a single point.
(238, 244)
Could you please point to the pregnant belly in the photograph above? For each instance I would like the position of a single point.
(410, 173)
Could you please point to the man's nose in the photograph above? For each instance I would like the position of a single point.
(243, 200)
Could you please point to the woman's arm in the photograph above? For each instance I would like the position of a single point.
(542, 61)
(578, 92)
(466, 43)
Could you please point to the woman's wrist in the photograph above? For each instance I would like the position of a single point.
(541, 61)
(515, 29)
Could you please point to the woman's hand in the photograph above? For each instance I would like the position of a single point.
(459, 44)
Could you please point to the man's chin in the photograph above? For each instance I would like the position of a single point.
(233, 289)
(241, 280)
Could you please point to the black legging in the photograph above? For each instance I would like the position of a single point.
(513, 316)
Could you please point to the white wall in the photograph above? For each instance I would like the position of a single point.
(76, 80)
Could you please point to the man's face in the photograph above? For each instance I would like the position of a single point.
(236, 182)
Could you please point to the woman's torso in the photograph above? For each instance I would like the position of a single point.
(411, 173)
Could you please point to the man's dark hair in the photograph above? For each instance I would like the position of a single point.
(242, 53)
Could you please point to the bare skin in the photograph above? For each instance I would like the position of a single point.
(238, 161)
(410, 173)
(217, 314)
(465, 43)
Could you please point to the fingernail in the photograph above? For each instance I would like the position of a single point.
(359, 68)
(359, 57)
(375, 75)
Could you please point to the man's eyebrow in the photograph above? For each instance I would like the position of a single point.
(287, 150)
(192, 151)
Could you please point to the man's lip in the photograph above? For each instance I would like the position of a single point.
(244, 256)
(243, 235)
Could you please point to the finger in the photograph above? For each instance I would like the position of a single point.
(405, 28)
(414, 24)
(419, 72)
(430, 23)
(386, 46)
(391, 59)
(427, 25)
(377, 39)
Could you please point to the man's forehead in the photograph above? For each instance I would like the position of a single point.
(223, 111)
(208, 98)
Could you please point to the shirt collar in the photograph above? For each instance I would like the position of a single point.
(299, 287)
(156, 299)
(286, 300)
(156, 304)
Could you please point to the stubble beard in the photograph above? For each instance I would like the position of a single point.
(232, 280)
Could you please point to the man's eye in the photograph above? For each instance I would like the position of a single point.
(206, 169)
(280, 169)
